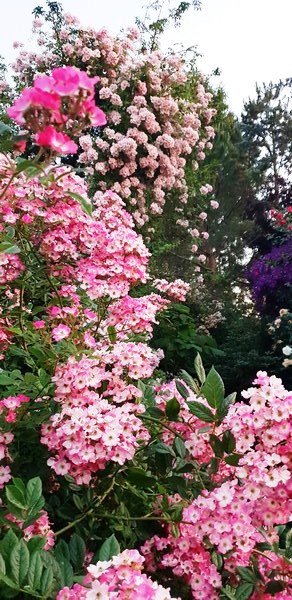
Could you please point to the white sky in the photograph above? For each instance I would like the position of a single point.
(249, 40)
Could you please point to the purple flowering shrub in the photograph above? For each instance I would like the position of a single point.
(270, 277)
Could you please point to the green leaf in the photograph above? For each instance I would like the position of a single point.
(84, 203)
(162, 448)
(47, 179)
(78, 502)
(19, 562)
(2, 565)
(43, 377)
(228, 593)
(36, 543)
(35, 500)
(217, 560)
(8, 581)
(156, 412)
(247, 574)
(185, 467)
(273, 587)
(179, 447)
(10, 232)
(172, 409)
(199, 368)
(9, 248)
(7, 544)
(182, 390)
(18, 483)
(201, 411)
(24, 164)
(77, 550)
(229, 442)
(140, 478)
(191, 383)
(66, 573)
(213, 389)
(34, 492)
(217, 446)
(47, 581)
(5, 379)
(244, 591)
(112, 334)
(15, 497)
(62, 551)
(204, 429)
(230, 399)
(222, 410)
(233, 459)
(109, 548)
(35, 571)
(176, 484)
(148, 395)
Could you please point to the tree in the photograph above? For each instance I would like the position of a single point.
(266, 126)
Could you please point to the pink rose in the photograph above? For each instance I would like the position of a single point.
(61, 332)
(59, 142)
(214, 204)
(203, 216)
(32, 97)
(27, 219)
(39, 324)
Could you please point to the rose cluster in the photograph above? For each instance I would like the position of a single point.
(159, 114)
(120, 578)
(248, 502)
(98, 422)
(62, 101)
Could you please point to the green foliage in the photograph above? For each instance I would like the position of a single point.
(177, 335)
(213, 389)
(24, 502)
(248, 347)
(25, 566)
(109, 548)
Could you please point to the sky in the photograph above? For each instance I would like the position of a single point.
(250, 41)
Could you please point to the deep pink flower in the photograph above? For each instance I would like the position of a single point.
(66, 80)
(96, 115)
(27, 219)
(59, 142)
(44, 83)
(39, 324)
(32, 97)
(20, 146)
(10, 417)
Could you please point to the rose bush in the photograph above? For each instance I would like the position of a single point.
(99, 454)
(159, 127)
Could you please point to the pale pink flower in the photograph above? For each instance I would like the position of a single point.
(60, 332)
